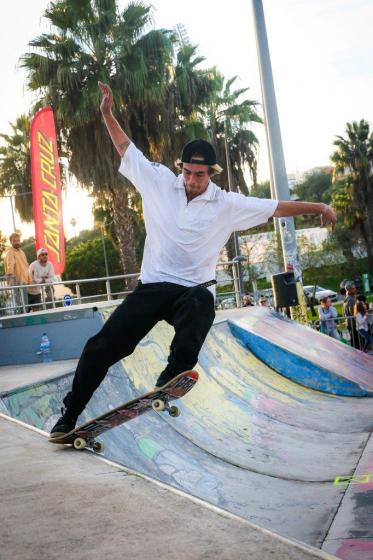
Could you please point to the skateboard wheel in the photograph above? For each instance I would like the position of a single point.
(98, 446)
(80, 443)
(158, 405)
(174, 411)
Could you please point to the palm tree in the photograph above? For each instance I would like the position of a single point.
(15, 173)
(353, 161)
(91, 41)
(190, 89)
(155, 98)
(227, 115)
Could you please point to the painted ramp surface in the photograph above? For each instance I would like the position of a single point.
(305, 355)
(249, 440)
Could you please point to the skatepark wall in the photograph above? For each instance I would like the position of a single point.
(67, 330)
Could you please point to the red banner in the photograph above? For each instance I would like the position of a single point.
(46, 188)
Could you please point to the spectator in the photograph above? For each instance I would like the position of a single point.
(41, 272)
(348, 310)
(362, 324)
(263, 301)
(370, 318)
(342, 289)
(327, 316)
(246, 300)
(16, 269)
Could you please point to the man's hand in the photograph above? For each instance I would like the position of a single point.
(117, 134)
(297, 208)
(328, 216)
(107, 98)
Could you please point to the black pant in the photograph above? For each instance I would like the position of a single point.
(354, 335)
(190, 311)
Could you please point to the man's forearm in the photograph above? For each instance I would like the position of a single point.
(287, 208)
(294, 208)
(117, 134)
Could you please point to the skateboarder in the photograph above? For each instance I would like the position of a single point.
(188, 220)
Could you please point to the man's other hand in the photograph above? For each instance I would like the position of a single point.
(107, 98)
(328, 216)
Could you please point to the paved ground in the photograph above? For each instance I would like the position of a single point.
(14, 377)
(63, 504)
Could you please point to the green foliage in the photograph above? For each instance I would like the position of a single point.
(29, 247)
(3, 242)
(317, 187)
(3, 246)
(15, 173)
(83, 236)
(229, 114)
(353, 194)
(86, 260)
(261, 190)
(331, 276)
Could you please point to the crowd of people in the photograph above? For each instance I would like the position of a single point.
(357, 315)
(19, 272)
(247, 300)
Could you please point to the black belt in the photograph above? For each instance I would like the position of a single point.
(207, 284)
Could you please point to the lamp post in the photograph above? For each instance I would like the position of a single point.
(273, 132)
(104, 249)
(232, 188)
(276, 157)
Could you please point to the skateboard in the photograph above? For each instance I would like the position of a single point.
(158, 400)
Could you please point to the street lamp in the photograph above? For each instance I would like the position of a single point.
(232, 187)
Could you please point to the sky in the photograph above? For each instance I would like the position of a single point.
(321, 53)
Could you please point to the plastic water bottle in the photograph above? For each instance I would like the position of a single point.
(45, 349)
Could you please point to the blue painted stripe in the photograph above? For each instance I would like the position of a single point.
(295, 367)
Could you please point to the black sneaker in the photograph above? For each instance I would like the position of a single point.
(68, 419)
(165, 377)
(64, 425)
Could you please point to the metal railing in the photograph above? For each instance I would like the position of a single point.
(14, 298)
(345, 326)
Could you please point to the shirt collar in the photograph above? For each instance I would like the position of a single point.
(209, 194)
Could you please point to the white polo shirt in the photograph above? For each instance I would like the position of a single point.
(184, 239)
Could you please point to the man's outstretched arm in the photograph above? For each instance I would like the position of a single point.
(117, 134)
(294, 208)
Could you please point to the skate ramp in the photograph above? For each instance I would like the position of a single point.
(249, 440)
(305, 355)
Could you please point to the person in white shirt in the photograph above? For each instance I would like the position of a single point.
(360, 312)
(41, 272)
(188, 220)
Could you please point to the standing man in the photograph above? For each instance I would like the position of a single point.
(188, 220)
(348, 311)
(328, 316)
(16, 269)
(41, 271)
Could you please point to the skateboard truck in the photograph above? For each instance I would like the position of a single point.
(81, 443)
(159, 406)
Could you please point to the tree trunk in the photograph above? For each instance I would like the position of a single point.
(369, 212)
(125, 232)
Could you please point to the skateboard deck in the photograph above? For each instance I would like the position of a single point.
(158, 399)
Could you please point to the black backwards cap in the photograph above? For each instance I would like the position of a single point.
(199, 151)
